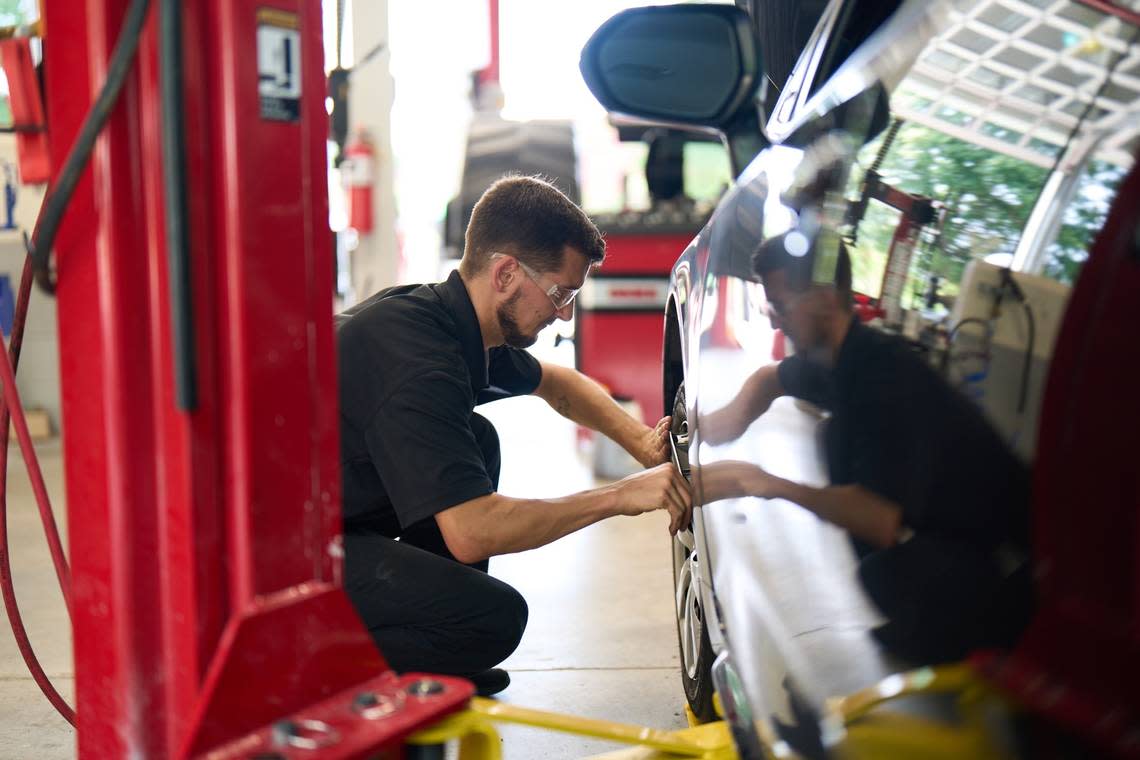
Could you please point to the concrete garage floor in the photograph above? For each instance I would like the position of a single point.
(29, 726)
(601, 640)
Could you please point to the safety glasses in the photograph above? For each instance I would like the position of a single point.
(560, 296)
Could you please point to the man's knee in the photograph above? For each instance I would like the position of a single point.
(942, 599)
(507, 619)
(486, 639)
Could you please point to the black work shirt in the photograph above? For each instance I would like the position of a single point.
(900, 430)
(412, 370)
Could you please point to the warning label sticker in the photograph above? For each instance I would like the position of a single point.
(279, 64)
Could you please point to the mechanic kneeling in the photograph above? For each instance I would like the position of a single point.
(935, 502)
(421, 466)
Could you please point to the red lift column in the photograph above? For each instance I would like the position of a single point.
(205, 542)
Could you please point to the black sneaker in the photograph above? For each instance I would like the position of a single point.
(490, 681)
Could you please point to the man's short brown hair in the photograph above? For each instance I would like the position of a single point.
(531, 219)
(773, 255)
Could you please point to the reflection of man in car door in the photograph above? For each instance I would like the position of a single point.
(935, 502)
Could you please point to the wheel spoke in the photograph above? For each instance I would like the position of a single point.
(687, 647)
(694, 632)
(688, 615)
(684, 581)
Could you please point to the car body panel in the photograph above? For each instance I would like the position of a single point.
(779, 585)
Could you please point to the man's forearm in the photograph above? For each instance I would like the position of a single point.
(496, 524)
(509, 525)
(757, 394)
(862, 513)
(582, 400)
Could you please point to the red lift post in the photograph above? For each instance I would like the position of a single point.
(205, 540)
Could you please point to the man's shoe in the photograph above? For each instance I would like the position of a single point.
(490, 681)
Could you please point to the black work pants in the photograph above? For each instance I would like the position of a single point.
(945, 599)
(425, 610)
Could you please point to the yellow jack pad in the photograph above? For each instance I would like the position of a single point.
(478, 739)
(869, 734)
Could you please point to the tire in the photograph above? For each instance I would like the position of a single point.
(692, 635)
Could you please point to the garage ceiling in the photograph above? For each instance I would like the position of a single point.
(1016, 75)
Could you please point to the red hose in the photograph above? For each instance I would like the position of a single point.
(15, 409)
(7, 591)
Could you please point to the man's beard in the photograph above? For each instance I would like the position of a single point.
(512, 335)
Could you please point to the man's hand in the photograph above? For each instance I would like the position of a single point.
(661, 487)
(733, 479)
(858, 510)
(654, 449)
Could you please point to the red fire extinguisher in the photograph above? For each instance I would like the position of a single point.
(358, 172)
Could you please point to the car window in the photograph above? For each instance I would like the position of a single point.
(787, 94)
(843, 26)
(783, 28)
(855, 22)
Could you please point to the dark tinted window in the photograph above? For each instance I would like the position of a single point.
(857, 21)
(783, 28)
